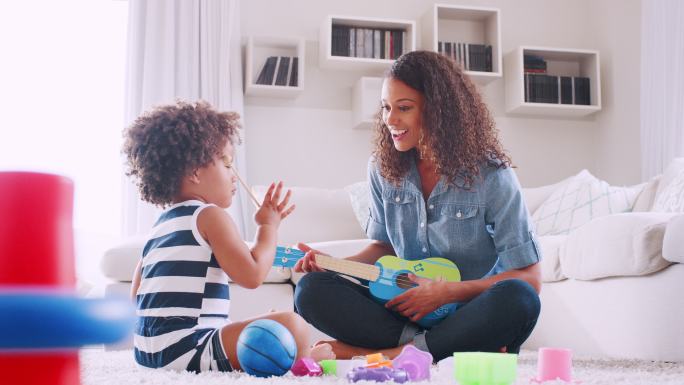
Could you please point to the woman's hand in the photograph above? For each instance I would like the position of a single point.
(419, 301)
(271, 211)
(308, 262)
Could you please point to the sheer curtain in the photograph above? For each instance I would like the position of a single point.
(181, 49)
(662, 84)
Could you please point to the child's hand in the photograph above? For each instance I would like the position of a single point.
(271, 212)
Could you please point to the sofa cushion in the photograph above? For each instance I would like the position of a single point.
(670, 194)
(320, 215)
(646, 198)
(580, 200)
(535, 196)
(359, 195)
(118, 263)
(615, 245)
(673, 242)
(550, 263)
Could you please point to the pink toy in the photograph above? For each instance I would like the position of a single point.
(306, 366)
(415, 361)
(553, 364)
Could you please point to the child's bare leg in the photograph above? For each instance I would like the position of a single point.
(345, 351)
(293, 322)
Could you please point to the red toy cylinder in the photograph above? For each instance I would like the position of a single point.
(36, 230)
(55, 368)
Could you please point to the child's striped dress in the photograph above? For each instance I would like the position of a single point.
(183, 298)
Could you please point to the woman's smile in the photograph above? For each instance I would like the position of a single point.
(398, 135)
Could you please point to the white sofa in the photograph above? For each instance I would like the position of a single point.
(607, 292)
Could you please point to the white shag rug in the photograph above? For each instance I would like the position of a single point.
(112, 368)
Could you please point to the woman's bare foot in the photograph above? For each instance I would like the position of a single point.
(346, 352)
(322, 351)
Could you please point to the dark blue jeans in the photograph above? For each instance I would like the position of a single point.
(503, 315)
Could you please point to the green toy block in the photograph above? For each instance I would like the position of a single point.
(478, 368)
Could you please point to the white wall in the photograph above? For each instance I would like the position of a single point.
(309, 140)
(618, 36)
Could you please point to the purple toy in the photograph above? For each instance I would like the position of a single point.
(415, 361)
(380, 374)
(306, 366)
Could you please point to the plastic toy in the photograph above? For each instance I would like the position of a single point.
(43, 320)
(477, 368)
(46, 319)
(415, 361)
(306, 366)
(554, 364)
(377, 360)
(381, 374)
(340, 368)
(266, 348)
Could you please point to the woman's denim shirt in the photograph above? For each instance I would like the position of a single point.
(484, 230)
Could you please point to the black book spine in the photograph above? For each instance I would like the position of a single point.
(266, 74)
(566, 90)
(294, 81)
(283, 68)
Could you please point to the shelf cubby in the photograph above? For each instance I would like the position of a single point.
(560, 62)
(258, 50)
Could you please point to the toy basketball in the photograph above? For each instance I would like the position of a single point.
(266, 348)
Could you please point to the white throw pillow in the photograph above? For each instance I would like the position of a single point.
(580, 200)
(628, 244)
(670, 195)
(646, 198)
(359, 194)
(550, 263)
(535, 196)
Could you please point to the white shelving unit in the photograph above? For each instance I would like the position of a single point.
(365, 101)
(463, 24)
(257, 50)
(327, 60)
(560, 62)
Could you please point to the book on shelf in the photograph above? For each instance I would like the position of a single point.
(279, 71)
(543, 88)
(267, 71)
(283, 71)
(582, 91)
(371, 43)
(565, 89)
(471, 57)
(294, 74)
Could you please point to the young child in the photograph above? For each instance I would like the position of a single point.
(181, 157)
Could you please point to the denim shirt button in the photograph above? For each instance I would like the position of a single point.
(458, 214)
(422, 224)
(432, 206)
(397, 199)
(424, 250)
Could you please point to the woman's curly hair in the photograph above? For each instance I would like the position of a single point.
(164, 145)
(457, 126)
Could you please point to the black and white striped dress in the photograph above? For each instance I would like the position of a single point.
(183, 298)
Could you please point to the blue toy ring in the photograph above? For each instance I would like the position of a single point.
(31, 319)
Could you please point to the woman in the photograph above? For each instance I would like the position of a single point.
(441, 185)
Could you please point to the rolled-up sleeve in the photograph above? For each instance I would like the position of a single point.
(510, 223)
(375, 227)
